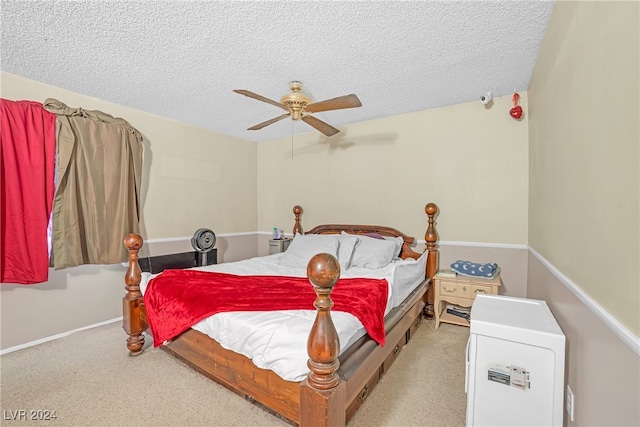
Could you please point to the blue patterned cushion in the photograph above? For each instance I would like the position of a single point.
(474, 269)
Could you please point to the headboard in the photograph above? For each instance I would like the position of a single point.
(406, 251)
(430, 236)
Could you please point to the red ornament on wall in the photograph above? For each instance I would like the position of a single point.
(516, 112)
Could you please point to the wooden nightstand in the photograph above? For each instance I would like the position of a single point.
(461, 291)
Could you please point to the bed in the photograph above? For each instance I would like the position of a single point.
(338, 380)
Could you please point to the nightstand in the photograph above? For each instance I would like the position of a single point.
(278, 245)
(461, 291)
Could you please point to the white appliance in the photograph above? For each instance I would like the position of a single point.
(515, 363)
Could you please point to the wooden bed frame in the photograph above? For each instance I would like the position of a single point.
(336, 386)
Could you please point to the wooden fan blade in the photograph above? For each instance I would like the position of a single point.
(260, 98)
(347, 101)
(268, 122)
(321, 126)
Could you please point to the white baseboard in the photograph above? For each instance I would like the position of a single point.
(57, 336)
(621, 331)
(479, 244)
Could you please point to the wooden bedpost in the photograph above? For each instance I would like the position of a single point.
(432, 258)
(297, 228)
(132, 321)
(322, 393)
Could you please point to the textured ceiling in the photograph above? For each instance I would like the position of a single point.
(182, 59)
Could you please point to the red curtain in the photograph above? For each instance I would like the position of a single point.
(27, 160)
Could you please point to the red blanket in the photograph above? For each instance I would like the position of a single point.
(177, 299)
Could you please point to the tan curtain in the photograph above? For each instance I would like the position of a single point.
(97, 200)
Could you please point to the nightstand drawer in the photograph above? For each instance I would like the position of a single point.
(455, 289)
(476, 289)
(463, 290)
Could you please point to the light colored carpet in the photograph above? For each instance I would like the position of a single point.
(89, 380)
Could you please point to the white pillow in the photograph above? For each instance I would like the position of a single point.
(399, 242)
(304, 246)
(348, 243)
(373, 253)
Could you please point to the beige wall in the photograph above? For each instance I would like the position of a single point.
(192, 178)
(470, 160)
(584, 151)
(584, 200)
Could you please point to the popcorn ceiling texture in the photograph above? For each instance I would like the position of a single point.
(182, 59)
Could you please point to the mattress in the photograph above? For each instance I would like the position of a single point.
(277, 340)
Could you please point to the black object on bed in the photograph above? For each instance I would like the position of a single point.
(157, 264)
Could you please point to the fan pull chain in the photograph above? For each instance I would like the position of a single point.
(291, 139)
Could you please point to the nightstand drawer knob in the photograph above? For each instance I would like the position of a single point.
(449, 290)
(480, 291)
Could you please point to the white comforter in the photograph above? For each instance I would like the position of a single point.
(277, 340)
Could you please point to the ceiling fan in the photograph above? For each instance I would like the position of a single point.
(298, 106)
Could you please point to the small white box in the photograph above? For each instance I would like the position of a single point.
(278, 245)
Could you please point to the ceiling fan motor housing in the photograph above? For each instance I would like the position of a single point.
(295, 100)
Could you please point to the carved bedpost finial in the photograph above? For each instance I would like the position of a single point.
(297, 228)
(133, 298)
(431, 236)
(323, 345)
